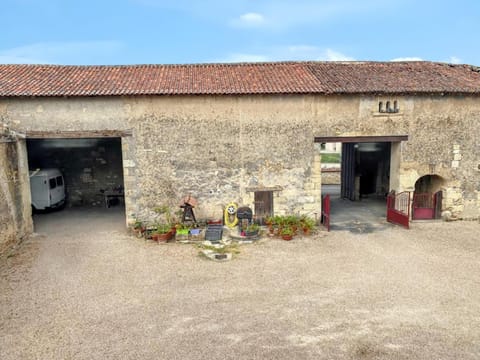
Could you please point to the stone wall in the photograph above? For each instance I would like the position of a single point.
(331, 176)
(15, 216)
(217, 148)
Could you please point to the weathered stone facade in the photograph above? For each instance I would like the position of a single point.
(15, 217)
(222, 148)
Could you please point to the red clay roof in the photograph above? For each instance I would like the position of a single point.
(238, 79)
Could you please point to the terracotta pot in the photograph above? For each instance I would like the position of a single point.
(287, 237)
(162, 238)
(138, 232)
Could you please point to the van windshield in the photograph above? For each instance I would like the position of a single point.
(59, 180)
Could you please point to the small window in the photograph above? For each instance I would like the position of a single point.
(389, 108)
(380, 107)
(52, 183)
(59, 181)
(323, 146)
(395, 106)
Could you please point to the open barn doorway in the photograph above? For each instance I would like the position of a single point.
(427, 198)
(88, 170)
(368, 170)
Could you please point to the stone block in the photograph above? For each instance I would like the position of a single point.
(128, 163)
(309, 186)
(314, 207)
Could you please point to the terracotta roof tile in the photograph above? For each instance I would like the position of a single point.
(237, 79)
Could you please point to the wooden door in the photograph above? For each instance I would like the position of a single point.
(263, 202)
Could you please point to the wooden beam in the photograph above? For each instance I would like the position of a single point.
(360, 139)
(263, 188)
(33, 134)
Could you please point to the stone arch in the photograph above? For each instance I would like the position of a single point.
(430, 183)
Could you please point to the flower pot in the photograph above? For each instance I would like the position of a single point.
(139, 232)
(183, 231)
(251, 233)
(287, 237)
(195, 231)
(162, 238)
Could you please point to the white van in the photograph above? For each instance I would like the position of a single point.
(47, 189)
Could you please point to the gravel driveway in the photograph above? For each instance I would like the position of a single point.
(83, 289)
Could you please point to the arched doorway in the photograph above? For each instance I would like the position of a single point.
(427, 198)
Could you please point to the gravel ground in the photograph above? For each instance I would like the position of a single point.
(84, 289)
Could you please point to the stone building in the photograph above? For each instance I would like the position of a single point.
(248, 133)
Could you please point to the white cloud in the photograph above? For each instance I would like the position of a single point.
(289, 53)
(310, 52)
(60, 52)
(284, 14)
(454, 60)
(251, 19)
(276, 14)
(412, 58)
(332, 55)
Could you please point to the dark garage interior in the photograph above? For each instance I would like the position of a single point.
(90, 166)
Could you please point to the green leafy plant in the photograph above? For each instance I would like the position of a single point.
(286, 230)
(331, 158)
(270, 220)
(253, 228)
(307, 223)
(292, 221)
(165, 210)
(162, 228)
(138, 224)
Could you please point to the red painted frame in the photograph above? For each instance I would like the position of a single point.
(398, 209)
(326, 212)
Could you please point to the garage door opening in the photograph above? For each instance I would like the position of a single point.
(92, 169)
(368, 171)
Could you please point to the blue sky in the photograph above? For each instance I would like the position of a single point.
(182, 31)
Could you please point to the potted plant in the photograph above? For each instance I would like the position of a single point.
(307, 224)
(252, 229)
(292, 221)
(286, 233)
(138, 227)
(162, 233)
(182, 229)
(269, 220)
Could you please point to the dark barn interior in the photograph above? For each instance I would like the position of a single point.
(90, 166)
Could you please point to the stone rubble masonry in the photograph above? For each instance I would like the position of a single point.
(331, 176)
(15, 213)
(212, 146)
